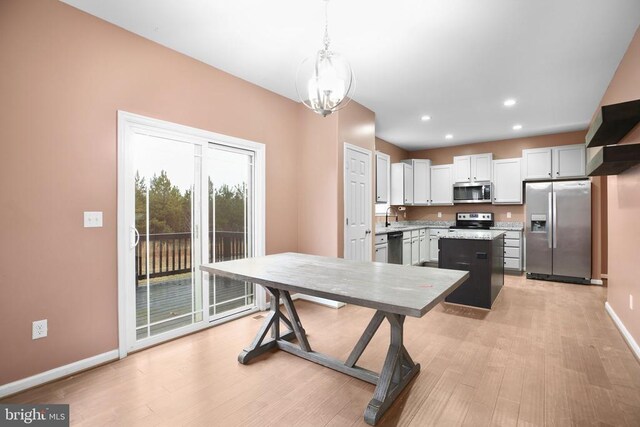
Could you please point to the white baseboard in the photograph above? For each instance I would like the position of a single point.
(597, 282)
(57, 373)
(623, 330)
(317, 300)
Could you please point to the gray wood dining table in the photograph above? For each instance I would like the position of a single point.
(394, 291)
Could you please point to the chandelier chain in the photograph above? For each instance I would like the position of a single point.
(326, 39)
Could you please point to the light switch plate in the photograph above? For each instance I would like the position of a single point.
(439, 214)
(508, 214)
(92, 219)
(39, 329)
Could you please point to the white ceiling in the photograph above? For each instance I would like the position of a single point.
(456, 60)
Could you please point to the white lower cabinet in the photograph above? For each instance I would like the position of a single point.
(415, 250)
(382, 253)
(513, 250)
(406, 248)
(434, 235)
(382, 248)
(424, 246)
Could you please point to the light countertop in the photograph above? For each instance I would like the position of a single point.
(412, 225)
(473, 234)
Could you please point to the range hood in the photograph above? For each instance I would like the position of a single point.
(611, 124)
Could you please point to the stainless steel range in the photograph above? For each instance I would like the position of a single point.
(473, 221)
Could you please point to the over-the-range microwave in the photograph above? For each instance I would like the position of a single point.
(472, 192)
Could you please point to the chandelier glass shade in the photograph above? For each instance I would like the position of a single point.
(325, 81)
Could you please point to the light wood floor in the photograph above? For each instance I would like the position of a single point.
(547, 354)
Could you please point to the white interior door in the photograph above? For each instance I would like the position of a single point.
(357, 203)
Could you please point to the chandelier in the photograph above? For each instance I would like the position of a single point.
(325, 81)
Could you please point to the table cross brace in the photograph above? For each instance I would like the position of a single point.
(397, 371)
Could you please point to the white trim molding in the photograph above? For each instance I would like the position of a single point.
(633, 345)
(317, 300)
(57, 373)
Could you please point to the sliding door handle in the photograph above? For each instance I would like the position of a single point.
(134, 237)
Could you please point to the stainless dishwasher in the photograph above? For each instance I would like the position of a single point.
(394, 241)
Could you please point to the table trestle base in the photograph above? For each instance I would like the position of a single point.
(397, 371)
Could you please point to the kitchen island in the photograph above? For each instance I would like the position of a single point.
(481, 253)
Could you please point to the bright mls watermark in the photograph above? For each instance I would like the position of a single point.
(34, 415)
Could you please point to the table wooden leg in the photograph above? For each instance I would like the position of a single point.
(398, 370)
(261, 343)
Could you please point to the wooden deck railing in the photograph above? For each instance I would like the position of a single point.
(170, 253)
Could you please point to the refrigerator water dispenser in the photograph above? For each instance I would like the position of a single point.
(538, 223)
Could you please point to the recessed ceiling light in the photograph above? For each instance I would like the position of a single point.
(425, 118)
(509, 102)
(517, 127)
(448, 136)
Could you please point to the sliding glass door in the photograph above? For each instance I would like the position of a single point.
(168, 294)
(186, 197)
(230, 213)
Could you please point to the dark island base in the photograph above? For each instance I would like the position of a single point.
(484, 260)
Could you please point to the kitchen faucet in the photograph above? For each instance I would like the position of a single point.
(386, 217)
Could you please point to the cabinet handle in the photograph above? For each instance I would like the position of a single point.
(558, 173)
(549, 173)
(378, 197)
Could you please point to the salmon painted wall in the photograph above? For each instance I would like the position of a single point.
(396, 153)
(64, 76)
(317, 180)
(623, 203)
(356, 126)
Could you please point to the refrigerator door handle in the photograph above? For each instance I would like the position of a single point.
(549, 228)
(555, 221)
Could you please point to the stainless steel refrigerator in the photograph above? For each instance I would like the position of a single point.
(558, 230)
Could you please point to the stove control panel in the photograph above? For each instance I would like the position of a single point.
(475, 216)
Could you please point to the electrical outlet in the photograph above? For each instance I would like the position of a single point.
(439, 214)
(92, 219)
(39, 329)
(630, 302)
(508, 214)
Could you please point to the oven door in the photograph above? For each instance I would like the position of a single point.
(474, 192)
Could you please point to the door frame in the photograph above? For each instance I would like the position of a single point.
(128, 123)
(369, 200)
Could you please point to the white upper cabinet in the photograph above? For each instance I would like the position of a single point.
(462, 169)
(472, 168)
(421, 180)
(569, 161)
(442, 185)
(507, 181)
(537, 163)
(383, 163)
(401, 184)
(481, 167)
